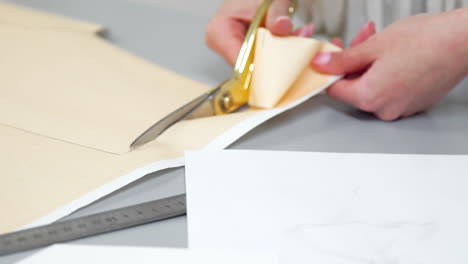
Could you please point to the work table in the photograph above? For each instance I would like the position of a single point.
(171, 34)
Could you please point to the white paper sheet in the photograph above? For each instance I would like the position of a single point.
(78, 254)
(330, 208)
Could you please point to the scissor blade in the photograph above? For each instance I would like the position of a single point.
(201, 106)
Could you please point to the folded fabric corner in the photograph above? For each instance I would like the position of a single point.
(279, 64)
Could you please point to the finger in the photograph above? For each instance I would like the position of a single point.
(305, 31)
(225, 36)
(345, 90)
(352, 60)
(389, 113)
(367, 31)
(338, 42)
(409, 113)
(282, 26)
(278, 21)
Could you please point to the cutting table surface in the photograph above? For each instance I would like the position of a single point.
(171, 34)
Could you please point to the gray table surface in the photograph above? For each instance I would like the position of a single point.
(171, 34)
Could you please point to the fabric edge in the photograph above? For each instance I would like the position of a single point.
(221, 142)
(104, 190)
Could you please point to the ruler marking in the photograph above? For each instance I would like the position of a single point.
(90, 225)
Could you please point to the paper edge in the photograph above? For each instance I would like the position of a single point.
(221, 142)
(263, 256)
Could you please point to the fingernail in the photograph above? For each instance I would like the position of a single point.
(307, 31)
(322, 58)
(299, 32)
(338, 42)
(282, 19)
(370, 26)
(283, 24)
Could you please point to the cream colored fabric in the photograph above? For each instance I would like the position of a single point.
(72, 103)
(283, 58)
(280, 63)
(40, 175)
(24, 17)
(308, 80)
(91, 93)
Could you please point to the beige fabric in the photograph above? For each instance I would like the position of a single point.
(91, 93)
(308, 79)
(25, 17)
(71, 104)
(40, 175)
(285, 58)
(282, 69)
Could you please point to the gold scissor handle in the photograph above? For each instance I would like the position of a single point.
(234, 93)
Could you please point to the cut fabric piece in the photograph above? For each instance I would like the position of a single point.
(279, 62)
(71, 105)
(309, 80)
(21, 16)
(81, 89)
(46, 179)
(40, 174)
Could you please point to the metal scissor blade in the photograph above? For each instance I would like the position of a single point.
(201, 106)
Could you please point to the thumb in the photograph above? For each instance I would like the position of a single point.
(277, 20)
(353, 60)
(225, 36)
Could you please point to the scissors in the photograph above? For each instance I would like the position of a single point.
(229, 96)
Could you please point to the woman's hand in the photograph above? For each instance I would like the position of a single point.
(226, 30)
(403, 70)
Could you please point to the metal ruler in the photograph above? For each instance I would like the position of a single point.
(91, 225)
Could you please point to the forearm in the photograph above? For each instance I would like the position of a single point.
(457, 28)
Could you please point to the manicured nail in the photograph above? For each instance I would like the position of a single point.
(338, 42)
(283, 25)
(282, 19)
(299, 32)
(322, 58)
(307, 30)
(370, 27)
